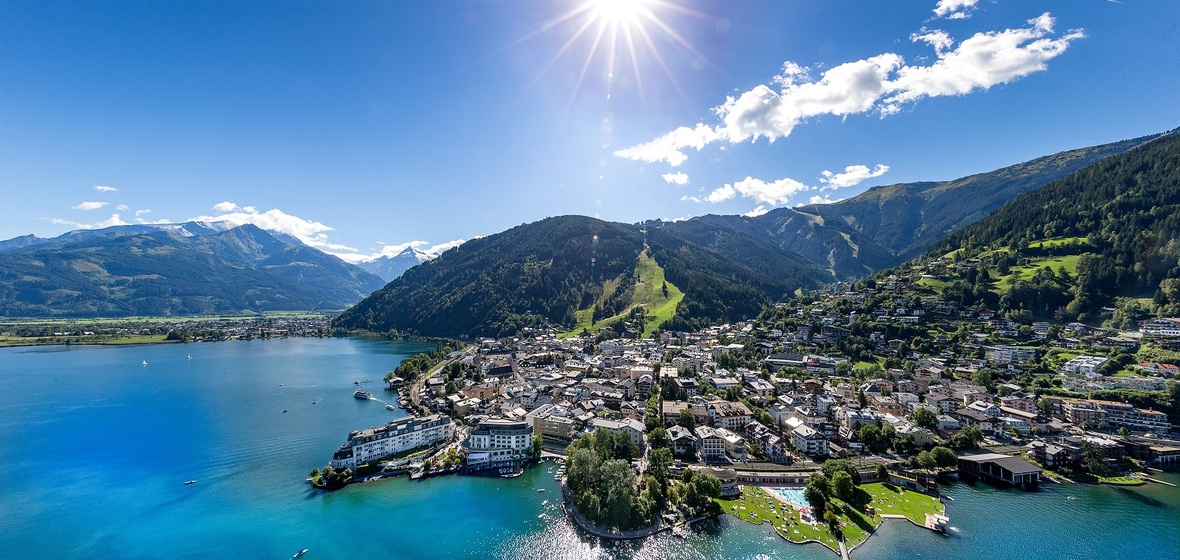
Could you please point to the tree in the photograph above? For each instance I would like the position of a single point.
(816, 493)
(842, 486)
(924, 460)
(925, 418)
(1094, 459)
(687, 420)
(659, 438)
(832, 466)
(882, 473)
(871, 437)
(707, 487)
(659, 463)
(944, 457)
(618, 490)
(537, 446)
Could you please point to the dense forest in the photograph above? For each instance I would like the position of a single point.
(1116, 222)
(542, 273)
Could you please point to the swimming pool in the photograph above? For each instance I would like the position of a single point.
(793, 495)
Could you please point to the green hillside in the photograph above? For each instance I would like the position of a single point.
(1107, 235)
(573, 272)
(647, 289)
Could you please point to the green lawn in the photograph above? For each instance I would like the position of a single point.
(1026, 272)
(890, 499)
(1056, 242)
(934, 283)
(1121, 481)
(757, 506)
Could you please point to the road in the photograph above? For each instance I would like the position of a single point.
(416, 388)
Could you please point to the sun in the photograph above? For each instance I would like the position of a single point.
(621, 36)
(618, 12)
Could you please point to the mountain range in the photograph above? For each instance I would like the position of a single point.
(389, 268)
(569, 272)
(172, 269)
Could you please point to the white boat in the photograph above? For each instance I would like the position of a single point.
(145, 362)
(362, 394)
(190, 356)
(300, 553)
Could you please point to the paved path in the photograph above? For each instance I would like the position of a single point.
(843, 551)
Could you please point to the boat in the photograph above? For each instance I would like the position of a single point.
(540, 489)
(190, 356)
(678, 531)
(300, 553)
(187, 482)
(389, 407)
(145, 362)
(362, 394)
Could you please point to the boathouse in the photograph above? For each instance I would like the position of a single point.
(1002, 469)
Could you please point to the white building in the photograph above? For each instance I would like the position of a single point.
(399, 435)
(495, 440)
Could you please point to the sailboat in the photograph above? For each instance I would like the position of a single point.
(190, 356)
(145, 362)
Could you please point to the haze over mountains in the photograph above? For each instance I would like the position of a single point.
(172, 269)
(566, 271)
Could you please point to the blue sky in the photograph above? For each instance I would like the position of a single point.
(363, 127)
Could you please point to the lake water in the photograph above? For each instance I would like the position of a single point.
(95, 448)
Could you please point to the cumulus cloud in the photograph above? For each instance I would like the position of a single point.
(758, 211)
(445, 246)
(89, 205)
(881, 84)
(314, 234)
(687, 198)
(955, 9)
(851, 176)
(677, 178)
(722, 193)
(822, 200)
(773, 193)
(104, 188)
(114, 220)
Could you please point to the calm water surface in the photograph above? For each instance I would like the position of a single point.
(95, 448)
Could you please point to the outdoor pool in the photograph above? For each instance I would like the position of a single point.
(793, 495)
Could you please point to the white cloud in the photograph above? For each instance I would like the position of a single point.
(939, 39)
(880, 84)
(760, 210)
(114, 220)
(774, 193)
(444, 247)
(980, 62)
(668, 147)
(104, 188)
(955, 9)
(139, 213)
(89, 205)
(687, 198)
(851, 176)
(822, 200)
(721, 193)
(677, 178)
(123, 208)
(314, 234)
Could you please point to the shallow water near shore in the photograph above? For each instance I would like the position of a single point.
(97, 446)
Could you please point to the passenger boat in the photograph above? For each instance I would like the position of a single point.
(300, 553)
(389, 407)
(362, 394)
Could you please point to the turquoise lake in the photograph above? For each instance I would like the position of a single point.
(96, 447)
